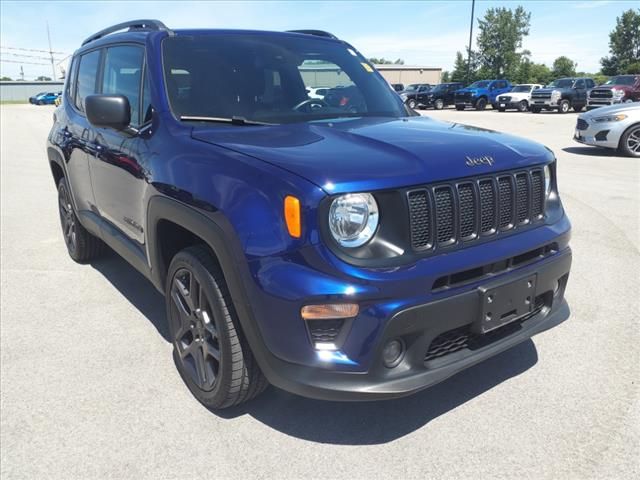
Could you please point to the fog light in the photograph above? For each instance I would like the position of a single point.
(392, 353)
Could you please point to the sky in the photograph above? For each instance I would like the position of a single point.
(426, 33)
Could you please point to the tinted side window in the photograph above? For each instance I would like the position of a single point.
(87, 71)
(590, 83)
(579, 84)
(123, 74)
(71, 84)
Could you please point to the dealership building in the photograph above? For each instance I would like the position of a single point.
(332, 76)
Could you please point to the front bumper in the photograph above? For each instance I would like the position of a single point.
(421, 325)
(545, 103)
(602, 102)
(605, 135)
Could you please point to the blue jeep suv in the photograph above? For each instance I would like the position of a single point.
(338, 247)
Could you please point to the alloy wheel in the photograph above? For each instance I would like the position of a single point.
(633, 141)
(67, 219)
(195, 333)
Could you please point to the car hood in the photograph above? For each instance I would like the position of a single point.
(632, 110)
(516, 95)
(551, 89)
(363, 154)
(469, 90)
(611, 87)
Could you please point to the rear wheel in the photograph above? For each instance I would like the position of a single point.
(209, 348)
(523, 106)
(481, 103)
(438, 104)
(564, 106)
(630, 142)
(81, 245)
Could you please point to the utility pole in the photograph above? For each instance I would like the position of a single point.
(473, 6)
(53, 66)
(21, 73)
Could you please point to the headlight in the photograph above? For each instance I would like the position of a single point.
(610, 118)
(353, 219)
(547, 181)
(555, 94)
(617, 93)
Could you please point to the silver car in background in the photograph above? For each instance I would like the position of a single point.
(616, 126)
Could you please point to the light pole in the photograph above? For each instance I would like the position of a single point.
(473, 6)
(53, 66)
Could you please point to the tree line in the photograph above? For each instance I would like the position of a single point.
(499, 52)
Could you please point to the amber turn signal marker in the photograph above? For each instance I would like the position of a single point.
(292, 216)
(329, 311)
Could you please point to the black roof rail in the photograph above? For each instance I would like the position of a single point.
(150, 25)
(317, 33)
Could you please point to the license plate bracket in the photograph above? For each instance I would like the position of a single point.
(505, 303)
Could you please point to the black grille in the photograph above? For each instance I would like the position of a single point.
(463, 97)
(463, 338)
(522, 200)
(488, 206)
(604, 93)
(420, 219)
(504, 99)
(537, 194)
(505, 191)
(468, 210)
(582, 124)
(442, 215)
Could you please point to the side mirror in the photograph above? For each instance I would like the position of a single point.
(109, 111)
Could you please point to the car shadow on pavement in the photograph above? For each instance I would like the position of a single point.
(591, 151)
(370, 423)
(341, 423)
(135, 288)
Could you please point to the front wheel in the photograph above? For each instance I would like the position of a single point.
(564, 106)
(438, 104)
(209, 348)
(630, 142)
(411, 103)
(481, 104)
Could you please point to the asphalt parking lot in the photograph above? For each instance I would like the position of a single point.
(89, 389)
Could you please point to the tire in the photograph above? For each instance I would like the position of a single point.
(411, 103)
(459, 107)
(523, 106)
(204, 326)
(39, 102)
(81, 245)
(630, 141)
(535, 109)
(481, 104)
(577, 108)
(502, 109)
(564, 106)
(438, 104)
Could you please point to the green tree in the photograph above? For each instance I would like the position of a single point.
(500, 36)
(5, 79)
(384, 61)
(42, 78)
(446, 77)
(564, 67)
(459, 72)
(624, 44)
(540, 73)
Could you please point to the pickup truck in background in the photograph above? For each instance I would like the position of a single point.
(519, 98)
(618, 89)
(480, 93)
(562, 95)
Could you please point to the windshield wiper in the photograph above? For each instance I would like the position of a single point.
(233, 120)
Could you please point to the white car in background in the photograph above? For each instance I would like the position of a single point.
(616, 126)
(518, 98)
(317, 92)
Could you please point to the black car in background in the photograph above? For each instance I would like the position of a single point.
(398, 87)
(413, 93)
(440, 96)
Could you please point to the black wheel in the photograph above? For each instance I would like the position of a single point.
(40, 102)
(630, 141)
(578, 108)
(459, 107)
(523, 106)
(502, 109)
(81, 245)
(438, 104)
(209, 349)
(481, 103)
(411, 103)
(564, 106)
(535, 109)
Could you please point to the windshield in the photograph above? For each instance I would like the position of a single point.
(521, 88)
(562, 83)
(481, 84)
(412, 88)
(264, 78)
(621, 80)
(439, 88)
